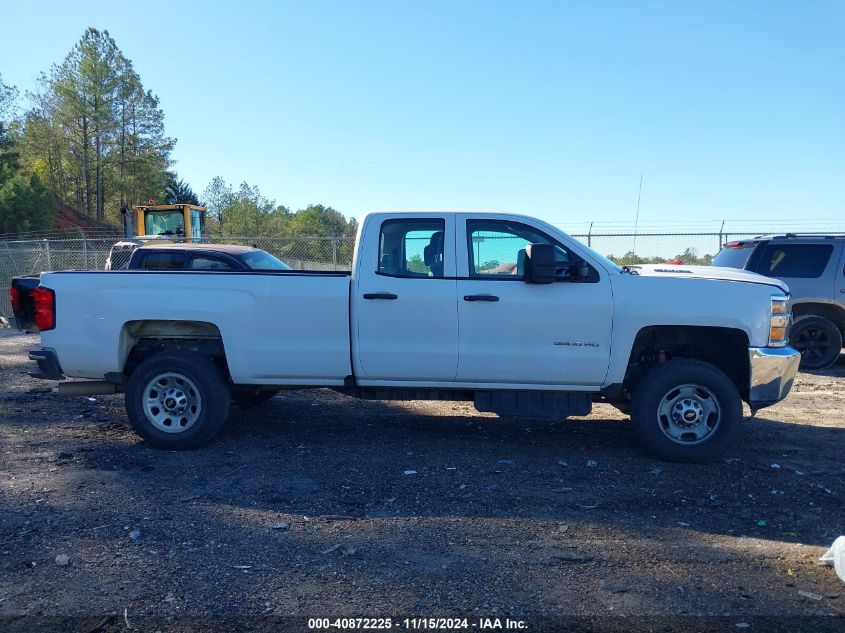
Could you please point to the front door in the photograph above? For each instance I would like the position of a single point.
(518, 333)
(406, 313)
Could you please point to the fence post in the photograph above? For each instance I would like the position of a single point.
(721, 241)
(334, 252)
(47, 254)
(84, 253)
(590, 236)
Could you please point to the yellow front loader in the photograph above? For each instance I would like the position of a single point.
(182, 222)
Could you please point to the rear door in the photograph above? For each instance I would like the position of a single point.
(809, 267)
(517, 333)
(404, 305)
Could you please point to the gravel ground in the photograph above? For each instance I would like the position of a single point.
(320, 505)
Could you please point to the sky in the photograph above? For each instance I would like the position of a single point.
(728, 110)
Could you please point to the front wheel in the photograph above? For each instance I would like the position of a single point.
(177, 400)
(686, 411)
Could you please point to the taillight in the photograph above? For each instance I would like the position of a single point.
(734, 245)
(16, 300)
(45, 308)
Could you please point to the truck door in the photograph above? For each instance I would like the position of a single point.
(405, 322)
(518, 333)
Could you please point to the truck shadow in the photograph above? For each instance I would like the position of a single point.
(319, 453)
(781, 480)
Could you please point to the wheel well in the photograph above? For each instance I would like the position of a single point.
(141, 339)
(725, 348)
(832, 312)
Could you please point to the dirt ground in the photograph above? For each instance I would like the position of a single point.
(319, 505)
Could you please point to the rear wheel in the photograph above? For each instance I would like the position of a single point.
(818, 339)
(177, 400)
(686, 411)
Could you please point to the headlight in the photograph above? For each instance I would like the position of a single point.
(780, 305)
(780, 321)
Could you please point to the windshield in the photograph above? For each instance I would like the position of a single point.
(164, 223)
(733, 257)
(262, 260)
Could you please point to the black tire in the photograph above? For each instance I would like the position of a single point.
(818, 339)
(247, 398)
(212, 407)
(699, 384)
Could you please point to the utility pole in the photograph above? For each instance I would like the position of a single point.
(637, 218)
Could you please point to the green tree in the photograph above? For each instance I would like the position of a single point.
(25, 204)
(216, 198)
(94, 134)
(178, 191)
(248, 213)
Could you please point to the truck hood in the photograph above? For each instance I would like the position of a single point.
(708, 272)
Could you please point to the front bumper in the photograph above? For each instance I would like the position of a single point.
(773, 371)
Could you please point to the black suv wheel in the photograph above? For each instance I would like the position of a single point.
(818, 339)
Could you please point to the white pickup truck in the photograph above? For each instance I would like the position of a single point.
(500, 309)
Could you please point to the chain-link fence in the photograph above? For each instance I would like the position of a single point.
(26, 257)
(633, 248)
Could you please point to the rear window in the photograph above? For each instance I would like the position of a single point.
(733, 256)
(162, 261)
(805, 261)
(262, 260)
(209, 263)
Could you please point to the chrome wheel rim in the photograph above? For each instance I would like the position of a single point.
(172, 402)
(689, 414)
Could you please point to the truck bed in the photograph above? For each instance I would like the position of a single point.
(285, 328)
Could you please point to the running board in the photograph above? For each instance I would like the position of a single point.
(533, 404)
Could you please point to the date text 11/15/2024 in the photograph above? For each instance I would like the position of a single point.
(416, 624)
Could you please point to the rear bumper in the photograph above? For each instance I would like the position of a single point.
(773, 371)
(48, 364)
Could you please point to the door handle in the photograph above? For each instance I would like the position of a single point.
(381, 295)
(481, 298)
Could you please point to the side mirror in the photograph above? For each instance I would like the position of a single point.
(540, 265)
(582, 270)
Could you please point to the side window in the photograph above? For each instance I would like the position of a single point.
(805, 261)
(209, 263)
(163, 261)
(497, 248)
(412, 248)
